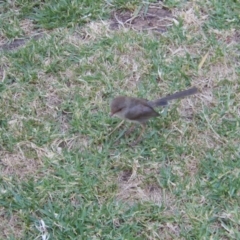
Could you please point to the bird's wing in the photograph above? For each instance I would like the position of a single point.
(141, 112)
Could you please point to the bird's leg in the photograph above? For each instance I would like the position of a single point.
(130, 129)
(140, 135)
(118, 126)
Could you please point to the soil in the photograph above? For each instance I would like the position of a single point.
(153, 18)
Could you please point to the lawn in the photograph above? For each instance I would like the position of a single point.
(67, 170)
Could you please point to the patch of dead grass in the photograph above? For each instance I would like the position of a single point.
(76, 142)
(17, 164)
(28, 27)
(135, 65)
(132, 189)
(192, 164)
(94, 30)
(10, 225)
(187, 108)
(191, 20)
(89, 33)
(169, 231)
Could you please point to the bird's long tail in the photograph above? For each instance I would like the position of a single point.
(164, 101)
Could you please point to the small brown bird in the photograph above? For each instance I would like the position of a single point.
(141, 110)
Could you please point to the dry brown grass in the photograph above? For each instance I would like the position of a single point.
(28, 27)
(10, 225)
(26, 159)
(18, 165)
(134, 190)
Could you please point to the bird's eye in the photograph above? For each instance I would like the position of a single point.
(120, 109)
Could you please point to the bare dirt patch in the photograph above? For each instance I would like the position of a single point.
(154, 17)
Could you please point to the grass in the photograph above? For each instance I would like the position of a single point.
(66, 175)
